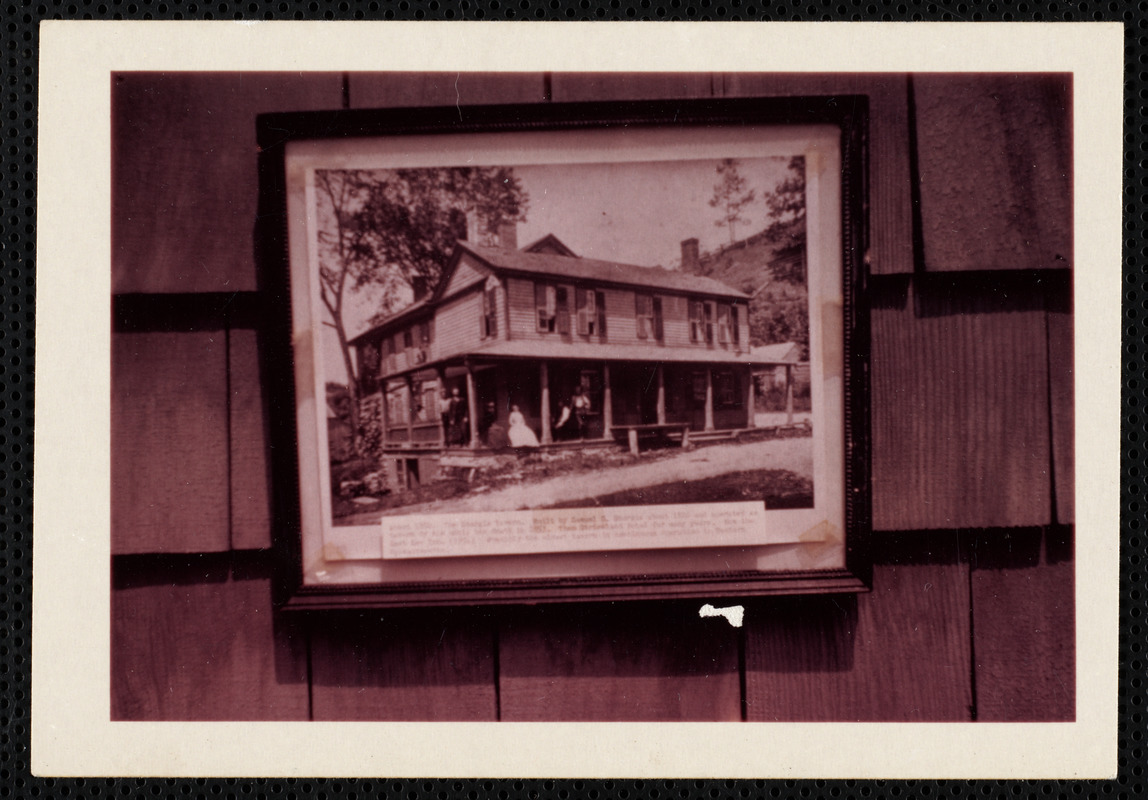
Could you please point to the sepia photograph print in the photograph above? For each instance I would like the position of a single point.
(764, 378)
(597, 347)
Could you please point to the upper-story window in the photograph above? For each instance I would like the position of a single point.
(648, 314)
(408, 341)
(389, 354)
(727, 324)
(552, 304)
(701, 321)
(489, 312)
(590, 306)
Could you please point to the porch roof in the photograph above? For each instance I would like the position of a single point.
(588, 351)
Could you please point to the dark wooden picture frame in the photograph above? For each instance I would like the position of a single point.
(502, 577)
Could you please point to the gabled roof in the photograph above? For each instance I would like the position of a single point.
(550, 244)
(593, 270)
(404, 313)
(781, 352)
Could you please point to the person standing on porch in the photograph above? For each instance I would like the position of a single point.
(458, 419)
(581, 407)
(444, 415)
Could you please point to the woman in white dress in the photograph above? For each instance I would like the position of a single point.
(520, 434)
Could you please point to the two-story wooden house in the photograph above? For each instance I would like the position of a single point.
(528, 327)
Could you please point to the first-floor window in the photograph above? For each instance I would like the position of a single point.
(726, 394)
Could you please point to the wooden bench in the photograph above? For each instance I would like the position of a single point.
(634, 433)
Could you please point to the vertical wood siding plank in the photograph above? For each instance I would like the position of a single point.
(403, 665)
(570, 87)
(1024, 623)
(411, 89)
(250, 484)
(634, 661)
(1061, 392)
(960, 409)
(899, 653)
(995, 154)
(190, 642)
(184, 182)
(169, 442)
(890, 198)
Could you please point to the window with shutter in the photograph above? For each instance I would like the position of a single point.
(546, 303)
(659, 326)
(600, 306)
(582, 311)
(562, 310)
(735, 324)
(644, 314)
(723, 330)
(709, 312)
(697, 321)
(489, 313)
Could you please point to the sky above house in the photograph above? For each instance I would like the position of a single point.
(629, 212)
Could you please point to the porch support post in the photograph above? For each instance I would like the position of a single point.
(607, 402)
(440, 373)
(788, 394)
(544, 411)
(471, 405)
(384, 413)
(661, 407)
(410, 410)
(750, 399)
(709, 399)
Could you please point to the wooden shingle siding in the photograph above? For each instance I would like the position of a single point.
(197, 638)
(960, 421)
(570, 87)
(996, 171)
(972, 409)
(184, 183)
(631, 661)
(1025, 625)
(1062, 394)
(457, 325)
(250, 470)
(408, 665)
(169, 463)
(409, 89)
(899, 653)
(890, 179)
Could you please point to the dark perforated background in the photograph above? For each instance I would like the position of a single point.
(18, 49)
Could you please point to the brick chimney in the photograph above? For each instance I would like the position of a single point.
(508, 235)
(690, 255)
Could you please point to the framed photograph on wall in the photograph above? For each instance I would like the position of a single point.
(568, 352)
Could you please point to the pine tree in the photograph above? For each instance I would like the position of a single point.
(730, 196)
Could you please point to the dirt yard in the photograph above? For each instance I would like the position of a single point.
(778, 470)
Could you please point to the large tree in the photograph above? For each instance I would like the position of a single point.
(785, 207)
(730, 196)
(388, 228)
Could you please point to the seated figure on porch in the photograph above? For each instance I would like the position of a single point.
(520, 433)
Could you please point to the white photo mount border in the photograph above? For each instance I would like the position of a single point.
(317, 571)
